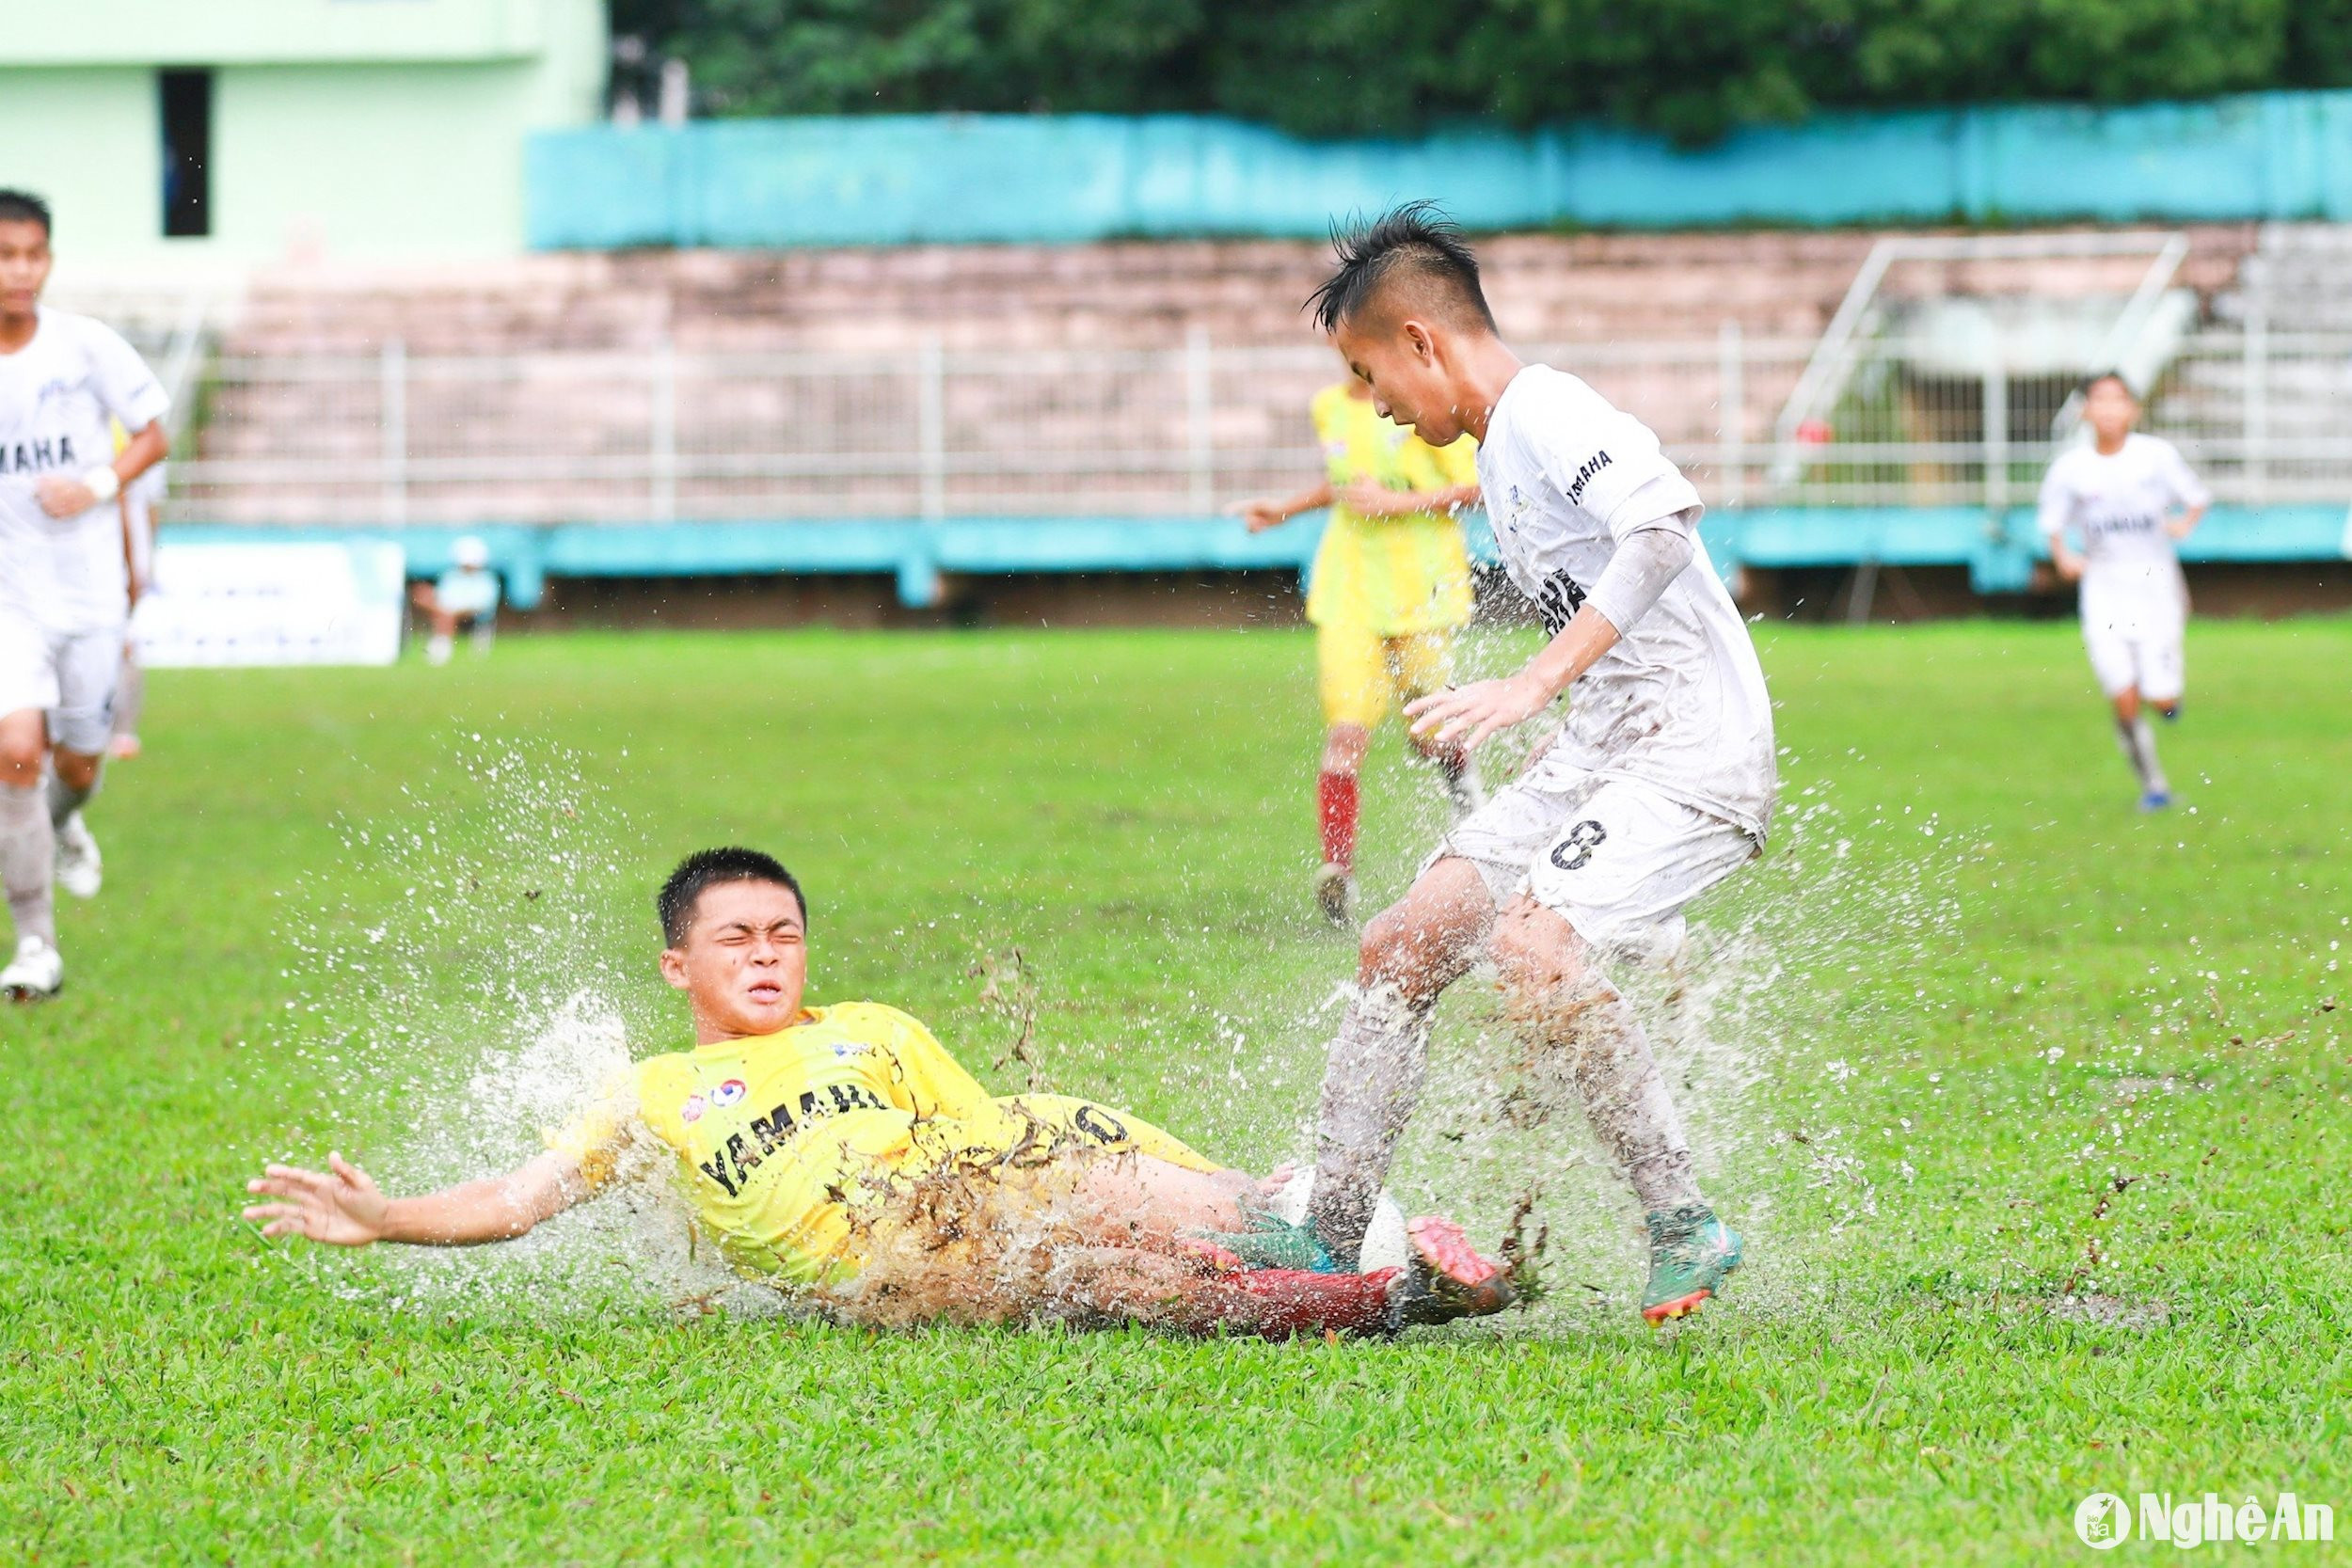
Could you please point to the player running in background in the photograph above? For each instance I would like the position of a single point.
(64, 577)
(824, 1146)
(1659, 785)
(464, 598)
(1391, 586)
(2130, 498)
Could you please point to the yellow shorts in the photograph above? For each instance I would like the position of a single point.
(854, 1164)
(1362, 674)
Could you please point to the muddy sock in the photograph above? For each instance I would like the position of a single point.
(28, 848)
(1626, 1099)
(1371, 1087)
(2138, 740)
(2144, 742)
(64, 799)
(1279, 1303)
(1337, 797)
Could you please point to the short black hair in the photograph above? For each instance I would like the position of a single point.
(24, 207)
(2117, 377)
(710, 868)
(1414, 240)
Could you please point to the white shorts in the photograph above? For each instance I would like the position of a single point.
(2148, 656)
(70, 676)
(1615, 858)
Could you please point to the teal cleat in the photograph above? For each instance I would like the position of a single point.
(1690, 1252)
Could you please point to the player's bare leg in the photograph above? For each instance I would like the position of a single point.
(2137, 739)
(1373, 1081)
(29, 859)
(1560, 1001)
(130, 704)
(1338, 798)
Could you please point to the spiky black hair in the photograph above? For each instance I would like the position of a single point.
(710, 868)
(24, 207)
(1416, 241)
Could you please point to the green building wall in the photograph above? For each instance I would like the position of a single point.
(350, 130)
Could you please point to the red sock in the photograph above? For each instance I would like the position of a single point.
(1293, 1301)
(1335, 800)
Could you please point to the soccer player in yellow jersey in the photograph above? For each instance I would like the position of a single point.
(1390, 586)
(813, 1140)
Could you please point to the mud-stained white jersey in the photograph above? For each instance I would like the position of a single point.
(66, 574)
(2117, 506)
(1680, 702)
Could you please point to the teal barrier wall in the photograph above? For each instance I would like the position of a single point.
(898, 180)
(1999, 548)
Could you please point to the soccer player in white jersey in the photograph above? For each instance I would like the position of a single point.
(64, 596)
(1659, 785)
(2130, 498)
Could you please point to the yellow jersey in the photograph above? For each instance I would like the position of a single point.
(1393, 577)
(768, 1131)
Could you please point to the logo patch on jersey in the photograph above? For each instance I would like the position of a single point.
(691, 1111)
(1558, 600)
(1592, 465)
(728, 1093)
(39, 455)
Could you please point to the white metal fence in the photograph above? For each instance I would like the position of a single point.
(664, 435)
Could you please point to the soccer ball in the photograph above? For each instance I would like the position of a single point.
(1385, 1246)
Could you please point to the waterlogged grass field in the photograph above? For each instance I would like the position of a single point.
(2034, 1111)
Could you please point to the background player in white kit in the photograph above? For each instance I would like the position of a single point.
(63, 571)
(2131, 498)
(1659, 785)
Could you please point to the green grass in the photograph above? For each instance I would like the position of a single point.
(1971, 995)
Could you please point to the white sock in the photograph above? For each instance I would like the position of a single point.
(2138, 737)
(1626, 1100)
(28, 854)
(1370, 1087)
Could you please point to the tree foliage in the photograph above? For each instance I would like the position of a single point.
(1692, 68)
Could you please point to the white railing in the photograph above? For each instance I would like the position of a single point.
(932, 433)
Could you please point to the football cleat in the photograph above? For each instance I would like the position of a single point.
(2156, 800)
(1447, 1279)
(36, 974)
(1335, 893)
(1690, 1252)
(79, 870)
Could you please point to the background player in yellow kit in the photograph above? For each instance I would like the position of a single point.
(814, 1141)
(1390, 586)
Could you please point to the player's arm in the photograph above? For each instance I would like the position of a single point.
(1649, 557)
(1369, 498)
(2055, 510)
(1261, 513)
(61, 497)
(343, 1207)
(2187, 490)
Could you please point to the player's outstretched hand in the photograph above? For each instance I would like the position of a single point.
(340, 1206)
(1459, 718)
(1258, 514)
(64, 498)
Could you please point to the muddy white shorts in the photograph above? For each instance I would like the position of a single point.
(70, 676)
(2148, 653)
(1616, 858)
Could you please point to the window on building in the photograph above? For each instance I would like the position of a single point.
(187, 119)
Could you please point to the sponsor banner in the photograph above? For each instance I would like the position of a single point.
(264, 603)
